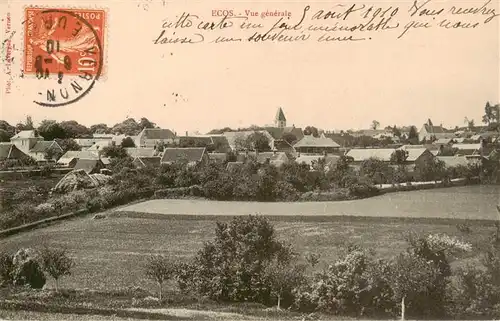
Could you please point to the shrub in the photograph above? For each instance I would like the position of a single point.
(285, 191)
(172, 192)
(349, 286)
(231, 267)
(6, 269)
(362, 189)
(44, 209)
(27, 269)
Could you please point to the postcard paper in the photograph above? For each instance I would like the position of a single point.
(348, 151)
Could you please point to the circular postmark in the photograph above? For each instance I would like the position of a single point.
(64, 51)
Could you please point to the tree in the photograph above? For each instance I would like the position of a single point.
(396, 131)
(100, 129)
(491, 113)
(127, 142)
(128, 127)
(431, 170)
(114, 151)
(399, 156)
(469, 123)
(68, 144)
(283, 277)
(259, 142)
(220, 131)
(241, 142)
(52, 154)
(6, 131)
(311, 130)
(50, 130)
(413, 135)
(73, 129)
(4, 136)
(375, 124)
(447, 151)
(411, 277)
(160, 269)
(56, 263)
(375, 169)
(145, 123)
(27, 125)
(289, 138)
(420, 274)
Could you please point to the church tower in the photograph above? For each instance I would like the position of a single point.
(280, 120)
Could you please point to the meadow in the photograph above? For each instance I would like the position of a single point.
(110, 253)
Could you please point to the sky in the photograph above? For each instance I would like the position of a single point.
(445, 75)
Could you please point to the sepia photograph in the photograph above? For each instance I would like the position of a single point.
(237, 160)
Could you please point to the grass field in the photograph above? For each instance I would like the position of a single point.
(110, 253)
(465, 202)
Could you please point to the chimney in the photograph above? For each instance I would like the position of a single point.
(186, 133)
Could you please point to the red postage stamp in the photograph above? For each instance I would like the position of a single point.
(64, 42)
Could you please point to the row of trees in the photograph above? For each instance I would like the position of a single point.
(51, 129)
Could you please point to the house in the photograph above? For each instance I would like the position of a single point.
(283, 133)
(429, 132)
(147, 161)
(10, 151)
(431, 147)
(310, 160)
(100, 144)
(316, 145)
(419, 156)
(468, 149)
(33, 145)
(89, 166)
(70, 158)
(444, 142)
(193, 155)
(194, 141)
(85, 143)
(43, 148)
(274, 158)
(140, 152)
(220, 144)
(234, 139)
(374, 133)
(453, 161)
(25, 140)
(359, 155)
(151, 137)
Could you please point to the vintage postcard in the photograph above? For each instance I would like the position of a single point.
(250, 160)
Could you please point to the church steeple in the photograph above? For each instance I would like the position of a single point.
(280, 120)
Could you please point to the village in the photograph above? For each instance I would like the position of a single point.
(276, 145)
